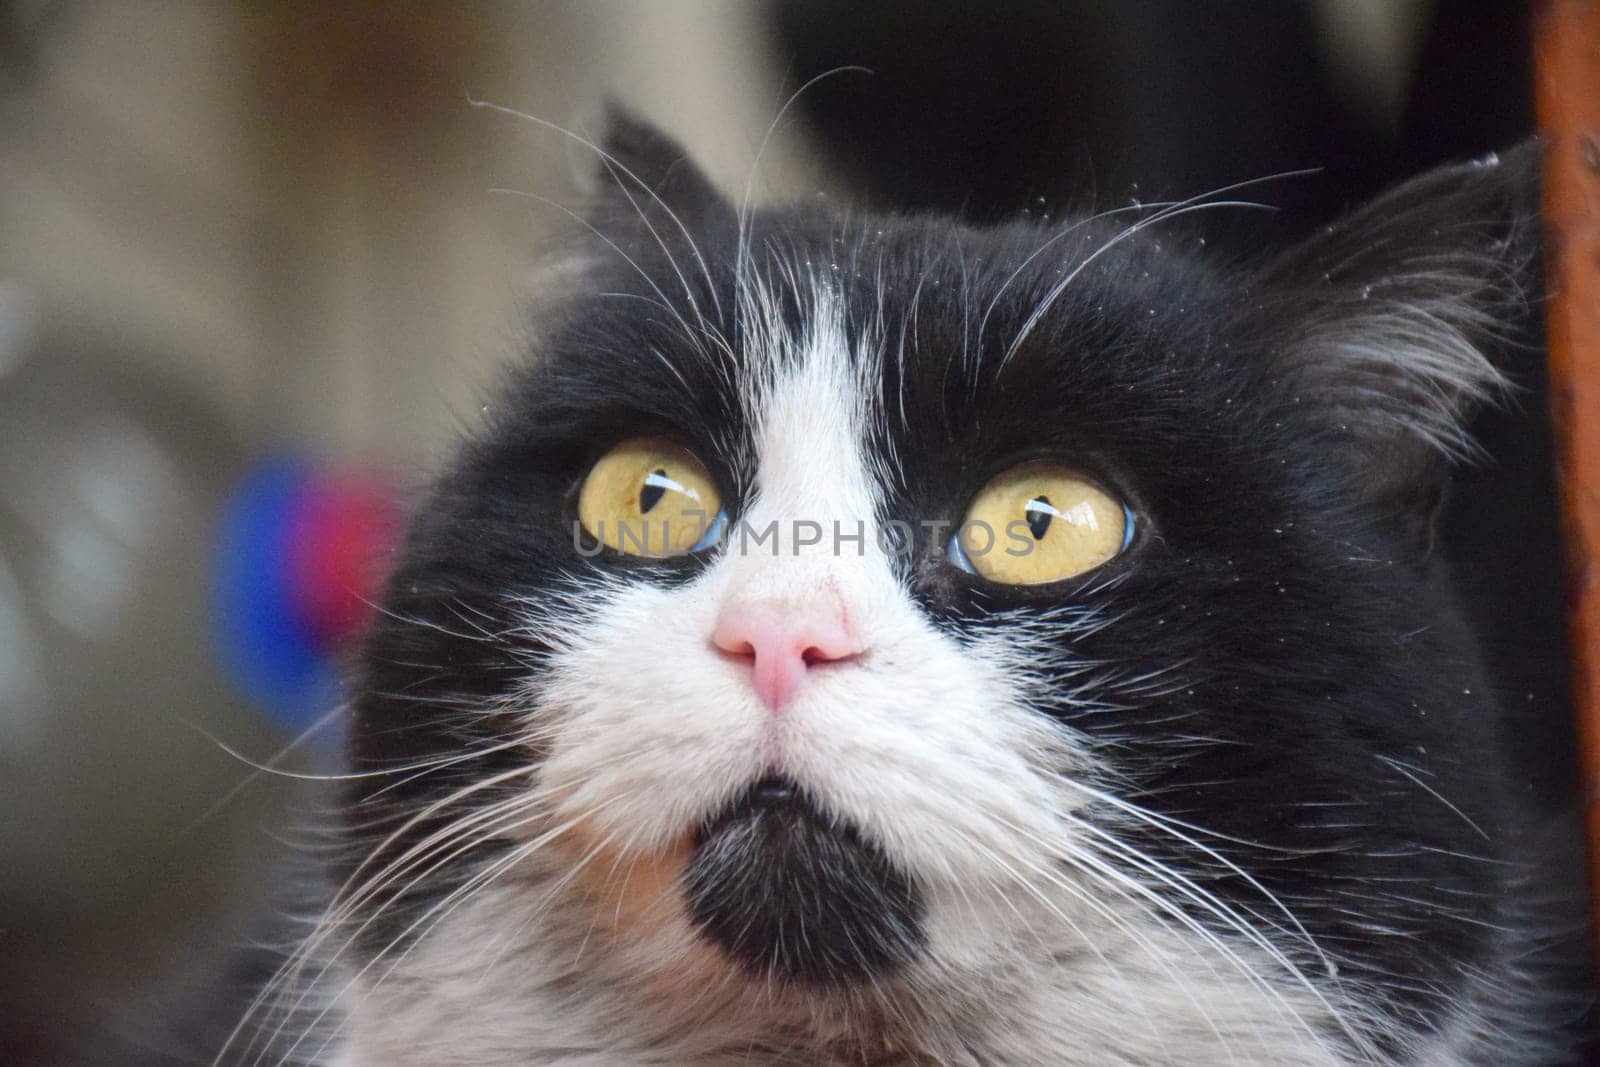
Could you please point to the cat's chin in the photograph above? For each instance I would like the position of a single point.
(790, 892)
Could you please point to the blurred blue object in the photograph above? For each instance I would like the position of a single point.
(264, 647)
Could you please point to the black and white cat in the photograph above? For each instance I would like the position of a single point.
(867, 640)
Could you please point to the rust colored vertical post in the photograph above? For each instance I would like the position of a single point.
(1567, 95)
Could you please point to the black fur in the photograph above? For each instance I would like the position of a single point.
(791, 892)
(1286, 671)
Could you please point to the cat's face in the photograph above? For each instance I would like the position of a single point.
(1055, 636)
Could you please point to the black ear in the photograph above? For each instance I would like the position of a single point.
(1388, 325)
(650, 192)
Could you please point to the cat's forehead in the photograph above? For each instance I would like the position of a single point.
(977, 277)
(939, 318)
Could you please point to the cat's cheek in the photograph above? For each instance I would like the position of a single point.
(650, 730)
(636, 899)
(931, 754)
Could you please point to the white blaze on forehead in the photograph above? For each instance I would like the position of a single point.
(811, 419)
(809, 535)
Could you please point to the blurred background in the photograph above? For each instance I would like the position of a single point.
(255, 276)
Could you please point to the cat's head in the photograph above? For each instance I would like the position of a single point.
(848, 624)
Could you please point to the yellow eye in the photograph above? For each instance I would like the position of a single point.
(650, 497)
(1039, 522)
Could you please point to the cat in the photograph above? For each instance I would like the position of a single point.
(868, 640)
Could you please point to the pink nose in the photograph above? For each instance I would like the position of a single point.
(783, 642)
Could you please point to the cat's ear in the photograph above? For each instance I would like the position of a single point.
(650, 193)
(1387, 324)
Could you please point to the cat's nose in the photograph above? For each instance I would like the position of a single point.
(783, 642)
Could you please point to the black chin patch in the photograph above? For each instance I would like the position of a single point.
(790, 892)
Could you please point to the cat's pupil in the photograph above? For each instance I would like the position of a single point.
(655, 487)
(1039, 512)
